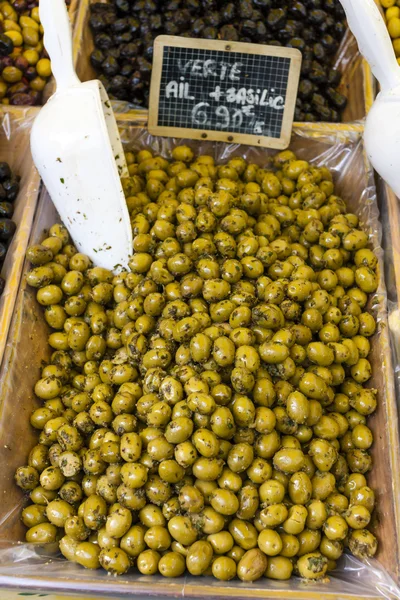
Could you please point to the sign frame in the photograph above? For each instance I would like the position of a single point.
(280, 143)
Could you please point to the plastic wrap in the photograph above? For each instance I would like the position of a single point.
(28, 567)
(357, 82)
(14, 149)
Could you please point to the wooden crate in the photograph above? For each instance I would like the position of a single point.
(357, 83)
(14, 149)
(339, 147)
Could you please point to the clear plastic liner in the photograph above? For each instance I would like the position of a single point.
(15, 125)
(28, 567)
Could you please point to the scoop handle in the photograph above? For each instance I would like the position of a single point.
(368, 27)
(58, 41)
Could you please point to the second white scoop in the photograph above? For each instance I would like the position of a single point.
(382, 128)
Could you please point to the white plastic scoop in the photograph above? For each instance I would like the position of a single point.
(382, 127)
(77, 150)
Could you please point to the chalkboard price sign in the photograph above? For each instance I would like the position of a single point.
(226, 91)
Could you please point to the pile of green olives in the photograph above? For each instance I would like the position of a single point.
(124, 32)
(206, 411)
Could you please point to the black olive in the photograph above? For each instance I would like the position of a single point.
(299, 115)
(170, 28)
(193, 6)
(313, 3)
(182, 18)
(129, 50)
(123, 6)
(290, 29)
(327, 25)
(3, 252)
(210, 33)
(110, 66)
(30, 73)
(198, 26)
(5, 171)
(6, 209)
(319, 52)
(137, 6)
(135, 79)
(329, 43)
(126, 70)
(150, 6)
(298, 10)
(276, 18)
(306, 66)
(172, 5)
(261, 31)
(148, 51)
(340, 30)
(337, 99)
(144, 27)
(229, 33)
(309, 34)
(317, 16)
(120, 25)
(264, 4)
(274, 43)
(306, 88)
(115, 53)
(334, 77)
(6, 45)
(335, 115)
(339, 11)
(257, 15)
(134, 25)
(323, 112)
(103, 41)
(2, 285)
(330, 5)
(144, 66)
(318, 73)
(310, 117)
(318, 99)
(228, 12)
(11, 187)
(122, 38)
(3, 195)
(245, 9)
(109, 18)
(213, 19)
(7, 229)
(118, 83)
(296, 42)
(97, 23)
(156, 22)
(248, 28)
(99, 7)
(209, 5)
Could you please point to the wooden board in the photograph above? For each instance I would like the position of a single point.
(224, 91)
(341, 148)
(357, 83)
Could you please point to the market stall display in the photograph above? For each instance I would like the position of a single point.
(322, 149)
(223, 412)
